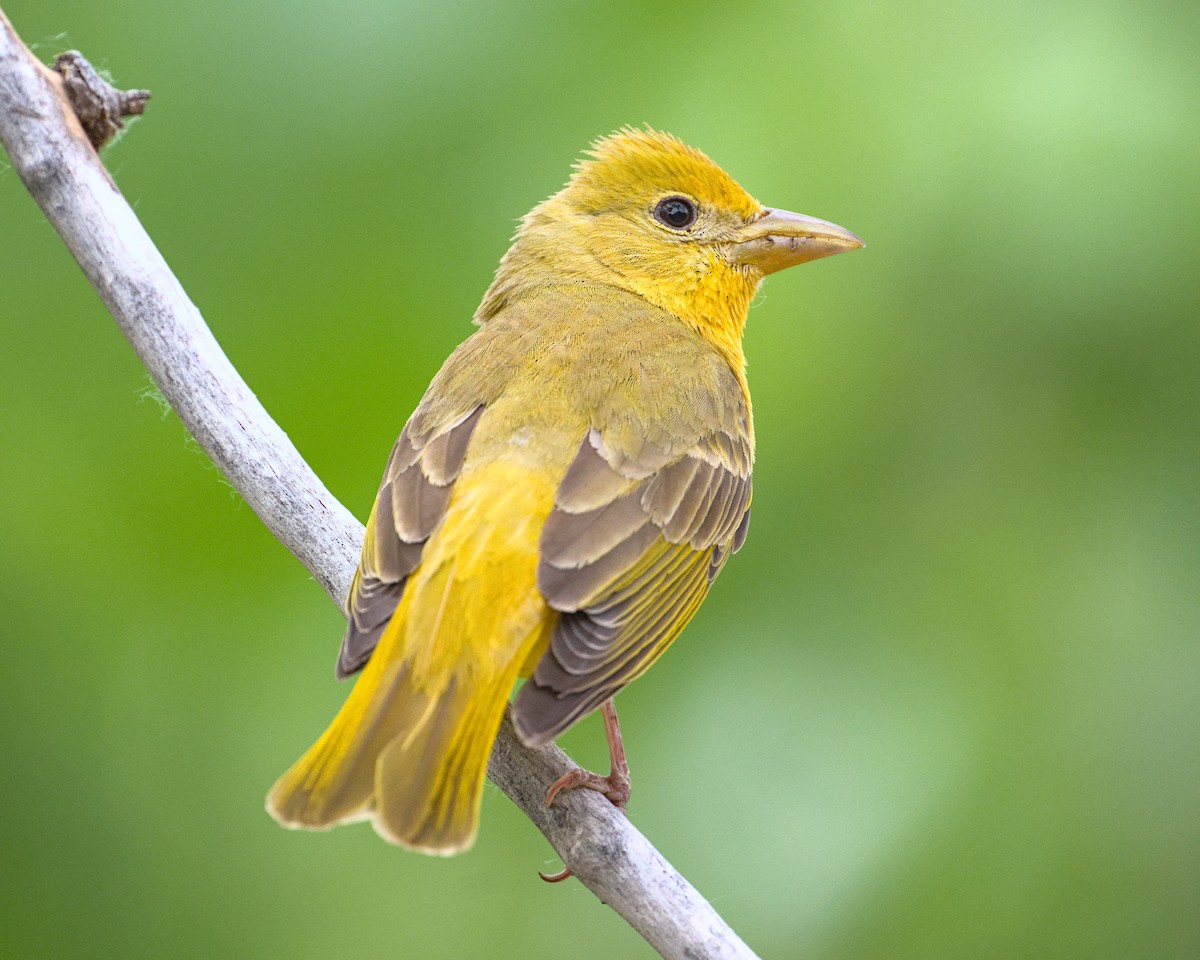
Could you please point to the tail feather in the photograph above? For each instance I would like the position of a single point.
(410, 746)
(412, 760)
(428, 787)
(334, 782)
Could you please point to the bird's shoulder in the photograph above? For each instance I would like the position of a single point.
(579, 357)
(613, 409)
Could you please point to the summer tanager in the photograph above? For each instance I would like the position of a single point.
(568, 488)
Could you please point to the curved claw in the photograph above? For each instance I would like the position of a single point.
(559, 877)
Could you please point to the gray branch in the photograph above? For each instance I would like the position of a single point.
(57, 163)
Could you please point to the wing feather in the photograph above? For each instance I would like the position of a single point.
(411, 502)
(628, 553)
(568, 589)
(665, 492)
(590, 482)
(578, 539)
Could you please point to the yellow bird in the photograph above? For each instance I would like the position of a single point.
(558, 506)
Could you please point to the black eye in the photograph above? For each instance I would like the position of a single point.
(678, 213)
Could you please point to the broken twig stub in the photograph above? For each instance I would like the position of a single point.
(97, 103)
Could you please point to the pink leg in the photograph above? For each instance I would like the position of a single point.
(616, 786)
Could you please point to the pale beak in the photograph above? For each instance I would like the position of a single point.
(781, 239)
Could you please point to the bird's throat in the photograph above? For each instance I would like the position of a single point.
(713, 301)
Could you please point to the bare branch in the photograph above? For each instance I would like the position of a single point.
(59, 166)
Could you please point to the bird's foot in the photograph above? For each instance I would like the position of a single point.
(616, 786)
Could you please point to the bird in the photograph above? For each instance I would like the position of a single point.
(564, 495)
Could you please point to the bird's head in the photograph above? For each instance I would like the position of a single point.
(647, 213)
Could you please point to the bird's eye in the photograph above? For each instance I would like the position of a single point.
(678, 213)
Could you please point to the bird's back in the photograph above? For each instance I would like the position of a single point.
(476, 476)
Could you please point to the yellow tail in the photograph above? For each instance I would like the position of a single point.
(410, 746)
(413, 760)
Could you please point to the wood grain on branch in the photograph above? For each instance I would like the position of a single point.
(57, 163)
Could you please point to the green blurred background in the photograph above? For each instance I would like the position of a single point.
(944, 705)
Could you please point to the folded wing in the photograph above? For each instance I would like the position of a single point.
(627, 555)
(411, 502)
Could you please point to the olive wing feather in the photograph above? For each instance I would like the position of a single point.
(627, 555)
(410, 504)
